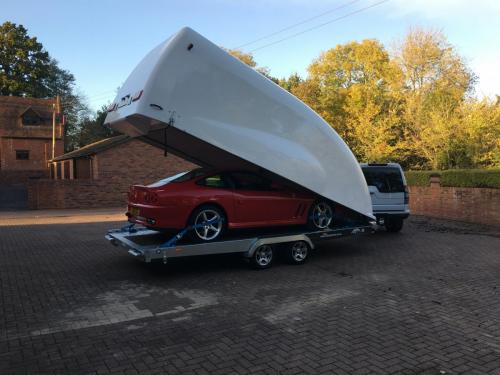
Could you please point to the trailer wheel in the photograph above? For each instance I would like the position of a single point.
(320, 216)
(298, 252)
(263, 257)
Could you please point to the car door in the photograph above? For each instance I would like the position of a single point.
(257, 202)
(217, 189)
(386, 188)
(250, 201)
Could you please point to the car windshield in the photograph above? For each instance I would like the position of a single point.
(180, 177)
(385, 179)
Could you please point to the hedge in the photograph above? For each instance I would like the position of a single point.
(480, 178)
(419, 178)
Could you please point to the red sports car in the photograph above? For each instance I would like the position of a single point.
(214, 201)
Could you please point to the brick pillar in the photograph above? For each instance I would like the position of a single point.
(95, 168)
(71, 171)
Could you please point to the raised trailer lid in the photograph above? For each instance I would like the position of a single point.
(203, 104)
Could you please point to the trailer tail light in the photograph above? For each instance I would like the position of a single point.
(407, 195)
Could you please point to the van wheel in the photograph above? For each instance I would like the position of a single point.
(209, 222)
(297, 252)
(263, 257)
(320, 216)
(393, 224)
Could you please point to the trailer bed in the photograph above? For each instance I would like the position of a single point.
(148, 245)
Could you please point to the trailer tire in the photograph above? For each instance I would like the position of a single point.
(394, 224)
(263, 257)
(212, 232)
(298, 252)
(320, 216)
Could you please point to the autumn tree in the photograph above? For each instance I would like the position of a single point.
(436, 83)
(291, 82)
(351, 87)
(248, 59)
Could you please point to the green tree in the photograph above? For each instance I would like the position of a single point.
(92, 128)
(24, 64)
(27, 69)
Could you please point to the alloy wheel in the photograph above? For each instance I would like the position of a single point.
(263, 255)
(322, 215)
(208, 224)
(299, 251)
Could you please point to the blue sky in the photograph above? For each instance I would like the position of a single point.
(100, 42)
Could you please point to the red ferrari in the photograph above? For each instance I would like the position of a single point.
(214, 201)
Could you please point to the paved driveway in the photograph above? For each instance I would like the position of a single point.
(425, 301)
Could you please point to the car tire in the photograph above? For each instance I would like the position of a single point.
(298, 252)
(263, 257)
(320, 216)
(393, 224)
(211, 232)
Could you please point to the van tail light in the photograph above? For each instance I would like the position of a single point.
(407, 195)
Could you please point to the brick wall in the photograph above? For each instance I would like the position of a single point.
(117, 168)
(37, 139)
(476, 205)
(21, 177)
(40, 151)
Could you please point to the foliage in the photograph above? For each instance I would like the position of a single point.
(27, 69)
(419, 178)
(413, 106)
(92, 128)
(481, 178)
(352, 87)
(248, 59)
(478, 178)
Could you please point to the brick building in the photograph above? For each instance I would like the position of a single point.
(26, 135)
(100, 174)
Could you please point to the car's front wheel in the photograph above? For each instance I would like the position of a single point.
(320, 216)
(208, 222)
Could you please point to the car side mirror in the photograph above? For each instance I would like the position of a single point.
(372, 189)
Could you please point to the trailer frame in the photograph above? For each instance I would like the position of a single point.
(157, 249)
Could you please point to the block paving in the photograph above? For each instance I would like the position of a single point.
(424, 301)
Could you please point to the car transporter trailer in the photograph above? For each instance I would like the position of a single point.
(148, 245)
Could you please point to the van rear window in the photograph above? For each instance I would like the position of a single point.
(385, 179)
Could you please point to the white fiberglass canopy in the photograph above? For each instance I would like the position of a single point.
(191, 97)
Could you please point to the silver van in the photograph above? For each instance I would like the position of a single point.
(389, 193)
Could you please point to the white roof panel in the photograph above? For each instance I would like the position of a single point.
(205, 93)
